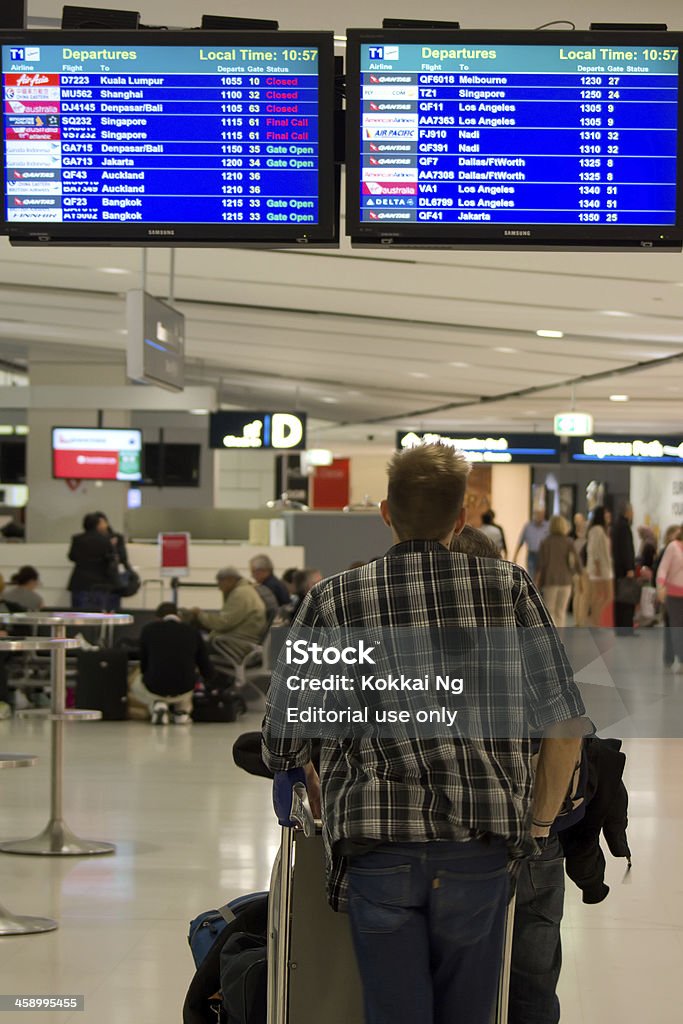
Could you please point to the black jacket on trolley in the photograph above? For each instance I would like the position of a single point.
(606, 813)
(94, 562)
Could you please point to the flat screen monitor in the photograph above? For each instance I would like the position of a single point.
(171, 464)
(13, 460)
(96, 453)
(150, 137)
(514, 139)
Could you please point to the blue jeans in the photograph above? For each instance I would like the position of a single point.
(427, 921)
(536, 946)
(95, 601)
(532, 563)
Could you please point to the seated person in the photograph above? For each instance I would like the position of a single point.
(23, 591)
(171, 652)
(261, 569)
(241, 622)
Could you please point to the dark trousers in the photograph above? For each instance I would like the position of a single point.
(428, 921)
(95, 601)
(668, 655)
(536, 946)
(623, 618)
(674, 611)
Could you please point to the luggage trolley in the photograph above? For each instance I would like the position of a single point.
(312, 970)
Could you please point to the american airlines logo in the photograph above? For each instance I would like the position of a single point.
(525, 234)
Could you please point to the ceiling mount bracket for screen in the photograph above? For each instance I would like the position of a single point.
(99, 18)
(411, 23)
(622, 26)
(217, 23)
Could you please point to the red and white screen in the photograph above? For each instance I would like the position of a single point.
(87, 453)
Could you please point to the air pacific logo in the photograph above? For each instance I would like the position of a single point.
(161, 231)
(525, 234)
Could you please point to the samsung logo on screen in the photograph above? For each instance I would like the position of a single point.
(265, 431)
(160, 231)
(525, 234)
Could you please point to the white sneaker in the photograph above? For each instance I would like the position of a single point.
(160, 714)
(5, 710)
(181, 718)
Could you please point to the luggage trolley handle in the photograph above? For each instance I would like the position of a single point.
(293, 811)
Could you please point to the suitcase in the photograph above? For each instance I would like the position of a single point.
(102, 682)
(305, 983)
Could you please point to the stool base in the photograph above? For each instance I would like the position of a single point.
(17, 924)
(57, 840)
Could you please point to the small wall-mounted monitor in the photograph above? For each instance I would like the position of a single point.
(493, 139)
(94, 453)
(172, 464)
(13, 460)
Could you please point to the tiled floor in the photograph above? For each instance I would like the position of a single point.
(192, 831)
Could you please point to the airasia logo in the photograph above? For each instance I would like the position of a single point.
(33, 80)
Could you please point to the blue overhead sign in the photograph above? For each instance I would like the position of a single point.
(493, 448)
(645, 451)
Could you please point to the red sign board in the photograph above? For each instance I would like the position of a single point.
(175, 554)
(331, 485)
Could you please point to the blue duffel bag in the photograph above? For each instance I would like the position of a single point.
(207, 927)
(208, 934)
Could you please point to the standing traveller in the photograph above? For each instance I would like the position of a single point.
(493, 531)
(557, 566)
(670, 584)
(533, 535)
(599, 565)
(94, 578)
(626, 590)
(581, 594)
(419, 833)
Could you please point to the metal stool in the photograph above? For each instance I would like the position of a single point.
(14, 924)
(56, 839)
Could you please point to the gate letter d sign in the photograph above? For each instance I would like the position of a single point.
(287, 430)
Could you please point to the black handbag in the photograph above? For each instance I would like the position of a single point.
(128, 583)
(628, 590)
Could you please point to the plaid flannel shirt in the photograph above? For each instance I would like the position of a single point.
(425, 789)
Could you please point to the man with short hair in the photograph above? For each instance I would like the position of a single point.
(419, 830)
(261, 569)
(241, 622)
(533, 534)
(171, 653)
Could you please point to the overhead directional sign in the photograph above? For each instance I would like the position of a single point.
(258, 430)
(652, 451)
(528, 448)
(573, 424)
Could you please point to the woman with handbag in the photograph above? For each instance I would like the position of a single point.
(128, 581)
(670, 586)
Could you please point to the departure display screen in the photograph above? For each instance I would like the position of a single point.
(224, 134)
(568, 135)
